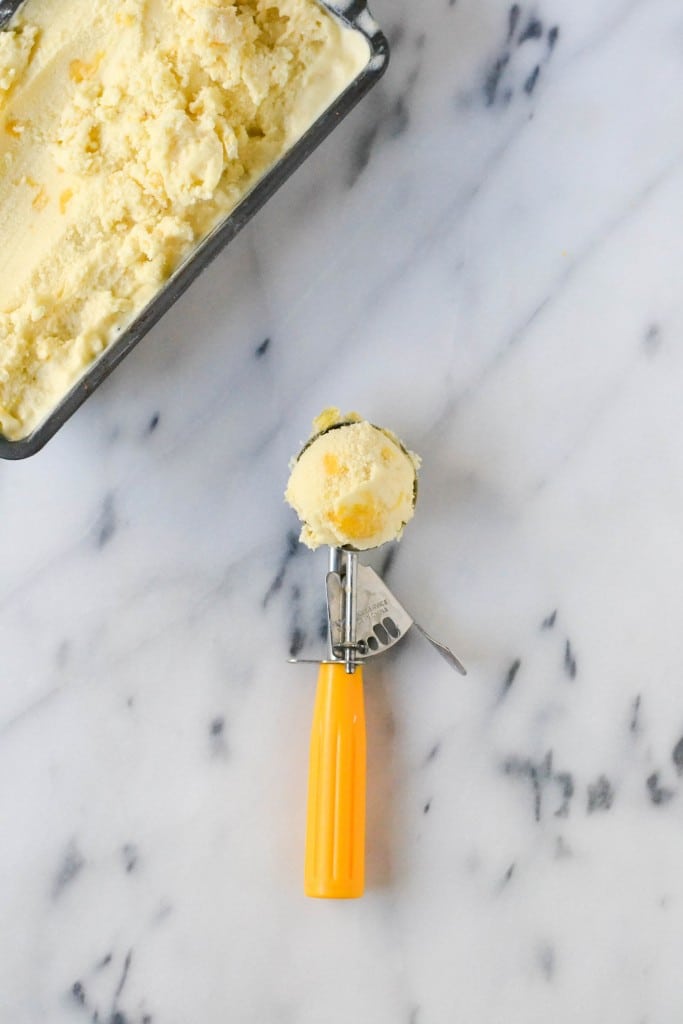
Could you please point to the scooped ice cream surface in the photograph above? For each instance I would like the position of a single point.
(353, 484)
(128, 130)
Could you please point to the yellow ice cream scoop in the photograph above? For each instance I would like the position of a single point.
(354, 485)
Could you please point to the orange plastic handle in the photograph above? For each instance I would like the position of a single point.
(335, 826)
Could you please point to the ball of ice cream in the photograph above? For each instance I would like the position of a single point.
(353, 484)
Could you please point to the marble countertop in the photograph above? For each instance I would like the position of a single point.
(486, 256)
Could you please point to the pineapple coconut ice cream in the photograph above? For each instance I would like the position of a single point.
(353, 484)
(128, 130)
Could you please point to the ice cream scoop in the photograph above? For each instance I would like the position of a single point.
(353, 484)
(354, 487)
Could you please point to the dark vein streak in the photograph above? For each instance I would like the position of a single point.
(124, 978)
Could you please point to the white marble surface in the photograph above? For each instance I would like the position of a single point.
(494, 272)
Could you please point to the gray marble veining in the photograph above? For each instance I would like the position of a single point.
(485, 256)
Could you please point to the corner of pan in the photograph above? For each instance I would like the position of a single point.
(357, 15)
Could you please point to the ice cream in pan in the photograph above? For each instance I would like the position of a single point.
(128, 130)
(354, 486)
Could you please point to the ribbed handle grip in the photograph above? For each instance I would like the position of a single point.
(335, 827)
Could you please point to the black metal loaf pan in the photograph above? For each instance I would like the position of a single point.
(354, 13)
